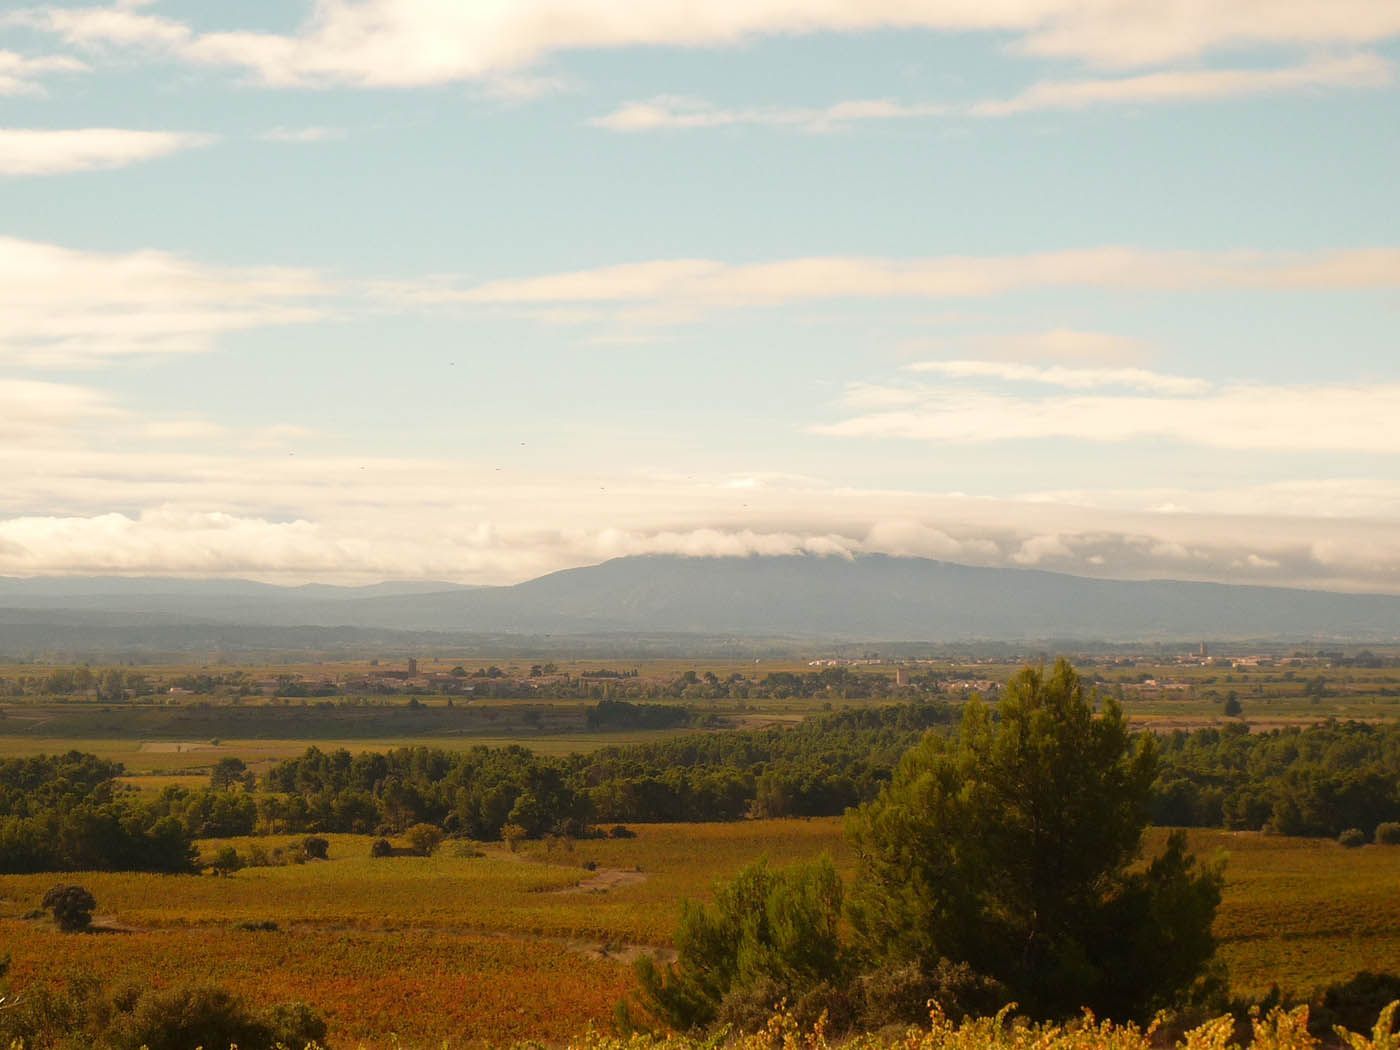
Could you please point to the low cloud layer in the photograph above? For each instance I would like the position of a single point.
(291, 519)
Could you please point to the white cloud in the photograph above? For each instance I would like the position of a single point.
(1191, 85)
(1070, 378)
(30, 409)
(676, 290)
(220, 501)
(1337, 417)
(21, 74)
(398, 43)
(349, 520)
(60, 307)
(672, 112)
(1064, 344)
(25, 151)
(302, 135)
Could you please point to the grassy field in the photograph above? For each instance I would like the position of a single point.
(534, 945)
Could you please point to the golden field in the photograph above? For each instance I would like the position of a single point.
(477, 944)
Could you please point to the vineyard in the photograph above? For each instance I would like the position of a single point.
(480, 944)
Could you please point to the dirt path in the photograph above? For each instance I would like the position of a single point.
(605, 879)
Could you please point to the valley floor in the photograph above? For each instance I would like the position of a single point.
(479, 944)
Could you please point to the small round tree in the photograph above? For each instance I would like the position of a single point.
(381, 848)
(314, 847)
(226, 862)
(424, 838)
(72, 907)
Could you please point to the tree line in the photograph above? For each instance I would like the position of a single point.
(66, 812)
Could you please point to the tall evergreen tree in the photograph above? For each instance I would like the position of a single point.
(1011, 847)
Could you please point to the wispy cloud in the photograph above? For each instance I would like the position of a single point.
(302, 135)
(1068, 378)
(60, 307)
(672, 112)
(31, 151)
(671, 290)
(29, 408)
(22, 74)
(397, 43)
(974, 407)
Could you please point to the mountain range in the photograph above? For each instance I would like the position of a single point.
(867, 597)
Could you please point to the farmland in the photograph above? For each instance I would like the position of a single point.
(478, 943)
(483, 943)
(180, 719)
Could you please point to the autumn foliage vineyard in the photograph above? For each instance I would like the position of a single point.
(479, 944)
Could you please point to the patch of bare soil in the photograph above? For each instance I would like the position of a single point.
(625, 953)
(107, 924)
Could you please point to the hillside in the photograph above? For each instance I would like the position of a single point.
(870, 597)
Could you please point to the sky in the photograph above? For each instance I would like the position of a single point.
(475, 290)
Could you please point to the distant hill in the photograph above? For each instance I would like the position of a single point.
(869, 597)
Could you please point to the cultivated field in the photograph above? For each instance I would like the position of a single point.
(477, 943)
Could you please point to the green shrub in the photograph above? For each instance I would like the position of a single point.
(424, 838)
(1388, 834)
(210, 1016)
(1352, 838)
(226, 862)
(769, 936)
(1354, 1004)
(314, 847)
(72, 907)
(381, 848)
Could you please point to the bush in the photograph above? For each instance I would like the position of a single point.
(621, 831)
(381, 848)
(900, 995)
(209, 1016)
(1354, 1004)
(769, 936)
(1388, 834)
(72, 907)
(1352, 838)
(313, 847)
(424, 838)
(257, 926)
(226, 862)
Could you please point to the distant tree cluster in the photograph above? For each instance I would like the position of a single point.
(61, 813)
(1320, 780)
